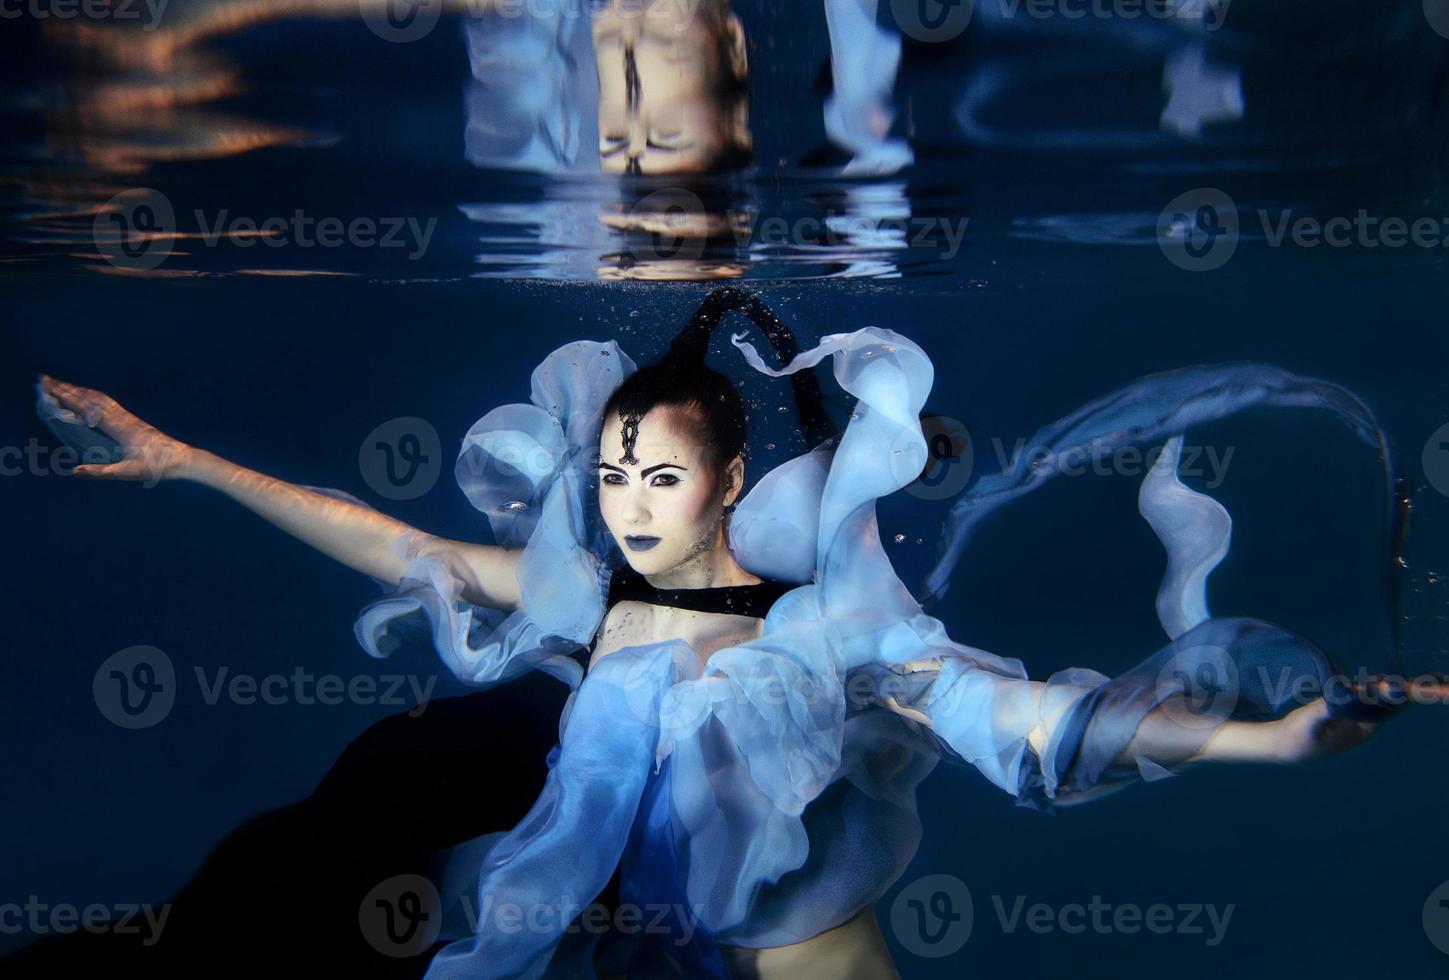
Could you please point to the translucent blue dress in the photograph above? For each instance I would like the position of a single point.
(770, 796)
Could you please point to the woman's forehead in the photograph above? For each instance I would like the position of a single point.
(664, 435)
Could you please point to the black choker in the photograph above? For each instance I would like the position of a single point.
(739, 600)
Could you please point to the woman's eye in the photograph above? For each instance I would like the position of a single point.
(612, 478)
(665, 476)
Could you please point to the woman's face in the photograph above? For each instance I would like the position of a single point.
(660, 65)
(665, 506)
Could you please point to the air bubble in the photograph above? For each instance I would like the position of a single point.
(900, 537)
(513, 507)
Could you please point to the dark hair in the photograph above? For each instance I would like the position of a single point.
(680, 379)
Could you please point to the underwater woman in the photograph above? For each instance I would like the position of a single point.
(761, 695)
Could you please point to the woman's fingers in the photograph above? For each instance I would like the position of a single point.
(126, 469)
(98, 409)
(80, 400)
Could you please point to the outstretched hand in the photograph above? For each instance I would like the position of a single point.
(149, 454)
(1316, 730)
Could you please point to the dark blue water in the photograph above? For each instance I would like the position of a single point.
(1062, 288)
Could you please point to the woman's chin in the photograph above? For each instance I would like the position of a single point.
(648, 563)
(641, 561)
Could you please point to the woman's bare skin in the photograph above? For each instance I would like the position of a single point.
(382, 547)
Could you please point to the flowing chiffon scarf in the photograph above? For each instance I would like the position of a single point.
(768, 795)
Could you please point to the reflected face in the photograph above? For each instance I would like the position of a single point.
(663, 502)
(660, 66)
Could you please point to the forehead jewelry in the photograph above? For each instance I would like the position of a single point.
(630, 436)
(631, 85)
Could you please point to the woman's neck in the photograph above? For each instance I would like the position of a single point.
(709, 569)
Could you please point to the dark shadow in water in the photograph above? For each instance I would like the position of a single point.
(281, 894)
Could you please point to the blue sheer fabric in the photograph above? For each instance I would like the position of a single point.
(769, 794)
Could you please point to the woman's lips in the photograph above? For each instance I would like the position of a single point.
(640, 543)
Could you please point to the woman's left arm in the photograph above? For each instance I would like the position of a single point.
(1308, 732)
(978, 718)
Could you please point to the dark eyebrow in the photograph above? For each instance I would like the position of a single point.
(643, 473)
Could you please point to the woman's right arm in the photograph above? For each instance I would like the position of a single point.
(359, 537)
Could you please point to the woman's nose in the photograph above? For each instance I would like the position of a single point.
(635, 512)
(638, 134)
